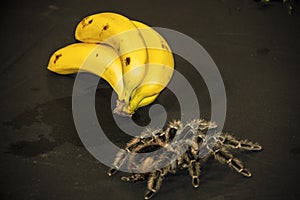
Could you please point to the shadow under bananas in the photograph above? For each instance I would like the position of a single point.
(57, 116)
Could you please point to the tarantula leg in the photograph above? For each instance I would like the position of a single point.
(154, 183)
(172, 129)
(122, 155)
(191, 158)
(149, 194)
(134, 177)
(232, 142)
(194, 170)
(225, 157)
(119, 161)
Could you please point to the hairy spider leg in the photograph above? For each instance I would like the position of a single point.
(230, 141)
(205, 125)
(122, 155)
(135, 177)
(224, 157)
(166, 159)
(154, 182)
(194, 166)
(195, 170)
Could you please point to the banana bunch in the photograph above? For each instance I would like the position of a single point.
(132, 57)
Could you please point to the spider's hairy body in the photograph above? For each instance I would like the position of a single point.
(179, 147)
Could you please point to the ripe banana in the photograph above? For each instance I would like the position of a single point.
(120, 33)
(147, 100)
(99, 59)
(160, 69)
(133, 58)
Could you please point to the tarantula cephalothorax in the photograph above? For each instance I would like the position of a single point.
(185, 147)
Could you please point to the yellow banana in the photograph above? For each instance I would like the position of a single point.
(120, 33)
(160, 69)
(147, 100)
(99, 59)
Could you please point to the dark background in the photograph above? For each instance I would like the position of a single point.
(256, 48)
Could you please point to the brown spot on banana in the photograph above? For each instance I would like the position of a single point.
(83, 22)
(103, 28)
(164, 46)
(57, 56)
(127, 61)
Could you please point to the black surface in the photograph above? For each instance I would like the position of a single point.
(255, 47)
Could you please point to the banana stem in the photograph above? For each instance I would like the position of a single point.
(119, 110)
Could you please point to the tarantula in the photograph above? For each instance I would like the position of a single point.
(178, 147)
